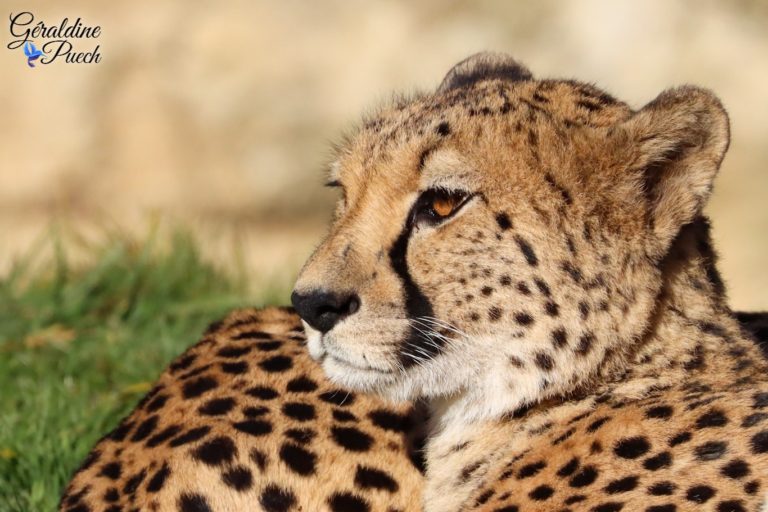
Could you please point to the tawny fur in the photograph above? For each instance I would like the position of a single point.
(263, 430)
(576, 281)
(578, 354)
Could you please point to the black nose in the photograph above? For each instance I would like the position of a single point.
(322, 310)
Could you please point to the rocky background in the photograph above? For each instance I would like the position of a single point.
(219, 116)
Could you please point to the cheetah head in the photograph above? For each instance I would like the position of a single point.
(500, 239)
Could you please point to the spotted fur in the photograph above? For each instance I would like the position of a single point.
(245, 420)
(567, 327)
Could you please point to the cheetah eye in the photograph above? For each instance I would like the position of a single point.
(438, 204)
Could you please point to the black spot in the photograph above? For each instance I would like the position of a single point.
(182, 363)
(111, 470)
(584, 310)
(527, 250)
(530, 470)
(662, 460)
(348, 502)
(238, 478)
(761, 400)
(569, 467)
(133, 483)
(572, 271)
(660, 412)
(217, 451)
(541, 493)
(197, 387)
(163, 435)
(523, 318)
(523, 288)
(585, 343)
(662, 489)
(276, 364)
(568, 433)
(667, 507)
(391, 421)
(236, 368)
(583, 478)
(144, 429)
(494, 314)
(259, 458)
(753, 419)
(607, 507)
(631, 447)
(298, 459)
(268, 346)
(735, 469)
(759, 442)
(730, 506)
(502, 219)
(190, 436)
(544, 361)
(595, 425)
(252, 335)
(351, 438)
(752, 487)
(713, 418)
(157, 402)
(551, 308)
(542, 286)
(234, 352)
(254, 427)
(682, 437)
(276, 499)
(371, 478)
(576, 498)
(301, 385)
(343, 416)
(301, 435)
(217, 406)
(559, 338)
(299, 411)
(190, 502)
(484, 497)
(443, 129)
(338, 397)
(111, 495)
(262, 392)
(505, 280)
(158, 479)
(711, 451)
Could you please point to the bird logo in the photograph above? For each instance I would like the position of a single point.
(32, 53)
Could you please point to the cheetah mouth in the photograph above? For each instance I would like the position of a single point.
(344, 362)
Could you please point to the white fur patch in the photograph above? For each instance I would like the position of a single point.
(314, 342)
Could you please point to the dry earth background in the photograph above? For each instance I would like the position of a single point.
(218, 116)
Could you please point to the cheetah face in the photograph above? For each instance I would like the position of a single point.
(502, 236)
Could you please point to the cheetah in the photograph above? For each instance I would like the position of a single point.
(245, 420)
(529, 258)
(463, 280)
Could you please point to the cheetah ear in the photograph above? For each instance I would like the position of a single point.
(676, 145)
(483, 66)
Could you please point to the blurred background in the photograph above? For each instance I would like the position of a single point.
(218, 116)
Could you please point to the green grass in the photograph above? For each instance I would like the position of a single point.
(79, 347)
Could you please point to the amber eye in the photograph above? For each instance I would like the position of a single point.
(438, 204)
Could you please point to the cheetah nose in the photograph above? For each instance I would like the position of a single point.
(323, 310)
